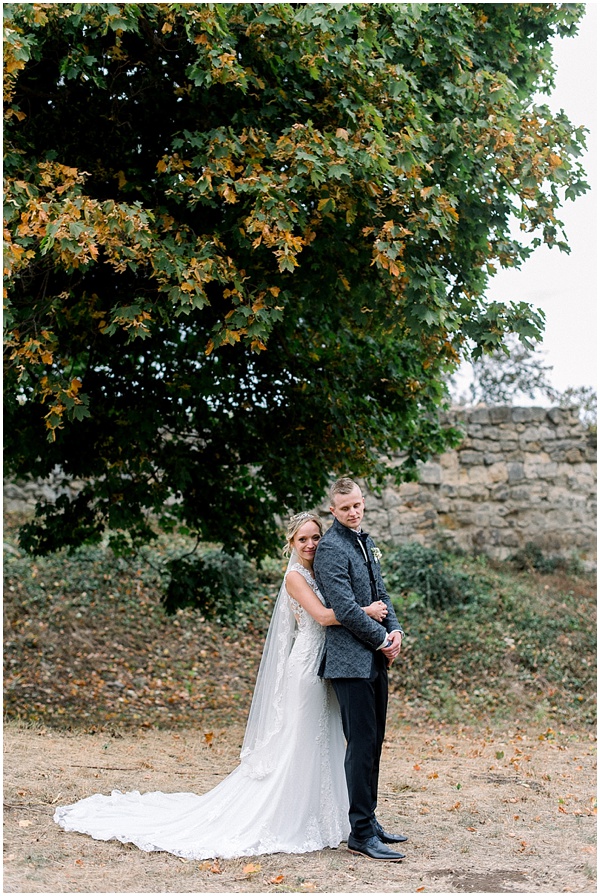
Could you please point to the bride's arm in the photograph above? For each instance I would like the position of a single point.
(300, 590)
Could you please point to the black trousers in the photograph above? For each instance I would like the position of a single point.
(363, 704)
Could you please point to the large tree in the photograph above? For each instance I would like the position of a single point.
(246, 244)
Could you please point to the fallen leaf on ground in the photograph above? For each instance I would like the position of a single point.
(251, 868)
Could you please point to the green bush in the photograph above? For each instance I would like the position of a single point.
(222, 586)
(412, 567)
(532, 557)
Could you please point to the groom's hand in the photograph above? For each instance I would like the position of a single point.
(393, 650)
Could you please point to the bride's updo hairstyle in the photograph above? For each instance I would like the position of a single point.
(296, 522)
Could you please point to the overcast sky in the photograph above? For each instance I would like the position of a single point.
(565, 286)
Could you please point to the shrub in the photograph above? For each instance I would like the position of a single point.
(222, 586)
(412, 567)
(532, 557)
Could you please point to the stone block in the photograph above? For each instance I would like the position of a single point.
(519, 494)
(466, 491)
(559, 415)
(501, 415)
(497, 472)
(390, 498)
(537, 434)
(449, 460)
(500, 511)
(516, 472)
(478, 476)
(574, 456)
(490, 458)
(534, 414)
(479, 415)
(521, 415)
(478, 445)
(581, 481)
(447, 521)
(470, 457)
(376, 517)
(543, 469)
(430, 473)
(398, 532)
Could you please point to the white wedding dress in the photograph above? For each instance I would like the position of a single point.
(289, 792)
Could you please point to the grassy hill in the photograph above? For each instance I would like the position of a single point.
(88, 645)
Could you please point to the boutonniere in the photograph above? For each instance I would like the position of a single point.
(376, 554)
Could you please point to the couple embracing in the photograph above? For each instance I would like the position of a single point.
(309, 769)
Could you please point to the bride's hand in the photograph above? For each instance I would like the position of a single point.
(377, 610)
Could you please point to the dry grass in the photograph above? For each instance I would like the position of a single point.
(485, 811)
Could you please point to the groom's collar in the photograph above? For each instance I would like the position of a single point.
(347, 531)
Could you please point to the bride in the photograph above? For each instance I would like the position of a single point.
(288, 794)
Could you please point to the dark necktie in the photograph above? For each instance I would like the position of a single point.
(363, 536)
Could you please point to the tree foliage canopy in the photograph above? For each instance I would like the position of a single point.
(246, 243)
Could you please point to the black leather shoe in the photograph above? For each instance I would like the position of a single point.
(386, 837)
(373, 848)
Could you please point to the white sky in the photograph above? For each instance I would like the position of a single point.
(565, 286)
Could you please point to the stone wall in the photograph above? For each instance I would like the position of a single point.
(520, 475)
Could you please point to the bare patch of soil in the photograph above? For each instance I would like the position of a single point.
(485, 811)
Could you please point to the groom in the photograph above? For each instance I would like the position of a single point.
(357, 654)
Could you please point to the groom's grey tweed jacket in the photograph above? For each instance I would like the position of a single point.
(343, 579)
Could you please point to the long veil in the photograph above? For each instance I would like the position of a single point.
(265, 720)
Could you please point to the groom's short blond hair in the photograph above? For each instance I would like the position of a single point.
(342, 486)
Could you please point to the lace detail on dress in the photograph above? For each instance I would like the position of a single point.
(297, 609)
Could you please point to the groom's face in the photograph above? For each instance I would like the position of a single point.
(349, 509)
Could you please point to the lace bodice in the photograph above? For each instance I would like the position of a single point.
(304, 618)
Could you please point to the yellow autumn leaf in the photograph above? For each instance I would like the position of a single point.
(251, 868)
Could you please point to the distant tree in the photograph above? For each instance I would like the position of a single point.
(585, 399)
(515, 372)
(247, 243)
(510, 374)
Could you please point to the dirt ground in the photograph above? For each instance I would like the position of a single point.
(485, 811)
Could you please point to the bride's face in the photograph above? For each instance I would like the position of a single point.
(305, 541)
